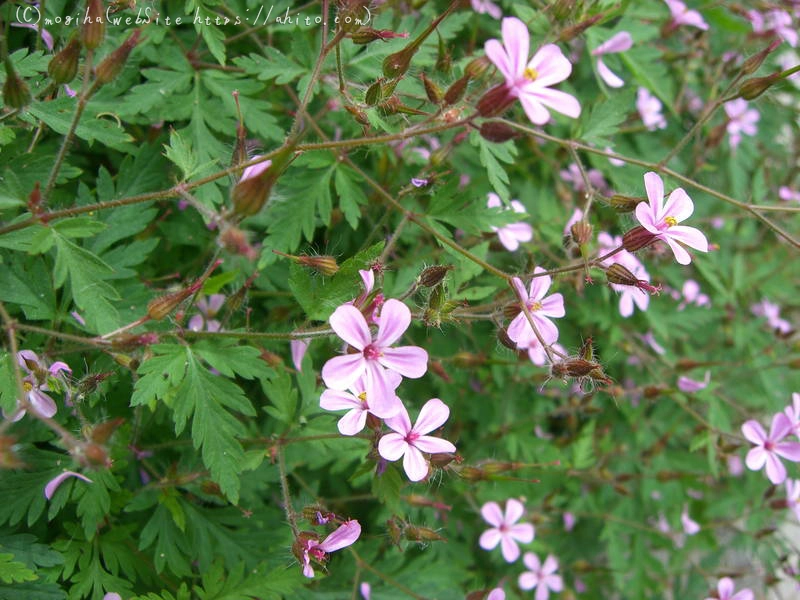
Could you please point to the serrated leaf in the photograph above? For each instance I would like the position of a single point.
(387, 488)
(180, 153)
(94, 501)
(351, 196)
(583, 449)
(599, 124)
(273, 65)
(12, 571)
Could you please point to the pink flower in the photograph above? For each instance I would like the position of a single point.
(683, 16)
(512, 234)
(357, 403)
(505, 532)
(569, 521)
(690, 385)
(519, 330)
(572, 174)
(691, 295)
(530, 81)
(650, 339)
(793, 412)
(208, 307)
(774, 21)
(649, 108)
(35, 384)
(726, 589)
(541, 576)
(47, 37)
(366, 590)
(374, 356)
(410, 442)
(56, 481)
(662, 220)
(735, 466)
(344, 536)
(255, 170)
(742, 120)
(496, 594)
(787, 194)
(690, 527)
(629, 295)
(793, 496)
(368, 279)
(536, 353)
(619, 42)
(768, 449)
(299, 349)
(487, 7)
(772, 312)
(112, 596)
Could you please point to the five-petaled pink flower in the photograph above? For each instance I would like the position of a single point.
(346, 535)
(649, 108)
(506, 531)
(662, 219)
(410, 442)
(727, 591)
(357, 403)
(512, 234)
(619, 42)
(208, 307)
(530, 81)
(768, 449)
(374, 356)
(742, 120)
(35, 384)
(683, 16)
(520, 330)
(629, 295)
(541, 576)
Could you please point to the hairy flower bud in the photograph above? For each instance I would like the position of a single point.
(492, 131)
(415, 533)
(397, 64)
(433, 276)
(15, 91)
(496, 101)
(352, 14)
(160, 307)
(93, 24)
(322, 264)
(637, 238)
(581, 232)
(624, 204)
(112, 64)
(502, 337)
(620, 275)
(367, 35)
(63, 67)
(359, 115)
(374, 93)
(252, 190)
(456, 91)
(752, 64)
(431, 89)
(752, 88)
(477, 67)
(96, 455)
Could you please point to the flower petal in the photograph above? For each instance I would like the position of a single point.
(41, 403)
(754, 432)
(646, 216)
(551, 66)
(510, 549)
(522, 532)
(433, 445)
(56, 481)
(516, 40)
(781, 427)
(432, 416)
(556, 100)
(756, 458)
(619, 42)
(553, 306)
(776, 472)
(350, 325)
(338, 400)
(492, 514)
(414, 464)
(534, 109)
(395, 319)
(409, 361)
(352, 422)
(540, 285)
(340, 372)
(346, 535)
(514, 510)
(679, 206)
(489, 539)
(788, 450)
(612, 79)
(392, 446)
(401, 423)
(681, 255)
(655, 194)
(528, 580)
(498, 55)
(550, 565)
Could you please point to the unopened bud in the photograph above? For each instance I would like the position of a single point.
(103, 431)
(472, 474)
(432, 90)
(252, 191)
(467, 359)
(96, 455)
(132, 341)
(624, 204)
(15, 91)
(456, 91)
(511, 310)
(158, 308)
(367, 35)
(422, 534)
(496, 101)
(572, 32)
(359, 115)
(637, 238)
(322, 264)
(502, 336)
(351, 14)
(390, 106)
(442, 459)
(477, 67)
(437, 368)
(433, 276)
(581, 232)
(64, 65)
(754, 87)
(752, 64)
(493, 131)
(112, 64)
(93, 25)
(374, 93)
(397, 64)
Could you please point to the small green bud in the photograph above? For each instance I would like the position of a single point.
(112, 65)
(64, 66)
(15, 91)
(93, 24)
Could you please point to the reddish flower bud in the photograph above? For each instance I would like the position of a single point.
(755, 86)
(581, 232)
(15, 91)
(624, 204)
(112, 64)
(477, 67)
(367, 35)
(637, 238)
(752, 64)
(433, 276)
(397, 64)
(431, 89)
(64, 66)
(359, 115)
(493, 131)
(422, 534)
(620, 275)
(456, 91)
(93, 25)
(502, 336)
(496, 101)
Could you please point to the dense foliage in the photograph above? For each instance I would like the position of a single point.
(578, 275)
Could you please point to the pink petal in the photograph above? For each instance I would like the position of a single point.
(414, 464)
(625, 303)
(516, 329)
(508, 240)
(531, 561)
(368, 278)
(744, 594)
(607, 75)
(534, 109)
(619, 42)
(345, 535)
(781, 427)
(340, 372)
(555, 583)
(679, 206)
(493, 201)
(489, 539)
(776, 472)
(409, 361)
(689, 236)
(433, 445)
(754, 432)
(298, 348)
(496, 594)
(58, 366)
(646, 216)
(519, 287)
(528, 580)
(401, 423)
(725, 587)
(350, 325)
(392, 446)
(53, 484)
(681, 255)
(540, 285)
(255, 170)
(338, 400)
(756, 458)
(516, 40)
(510, 549)
(41, 403)
(514, 510)
(432, 416)
(522, 532)
(551, 66)
(546, 327)
(492, 514)
(788, 450)
(553, 306)
(196, 323)
(395, 319)
(352, 422)
(497, 54)
(550, 565)
(381, 396)
(556, 100)
(655, 194)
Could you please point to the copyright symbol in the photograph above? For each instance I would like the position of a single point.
(368, 14)
(28, 15)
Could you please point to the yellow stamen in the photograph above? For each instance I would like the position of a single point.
(531, 74)
(670, 221)
(27, 386)
(363, 396)
(536, 306)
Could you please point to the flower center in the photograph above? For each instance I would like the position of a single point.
(769, 446)
(534, 306)
(670, 221)
(27, 386)
(531, 74)
(411, 437)
(372, 353)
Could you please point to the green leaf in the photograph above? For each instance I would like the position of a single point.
(159, 374)
(8, 383)
(171, 546)
(94, 501)
(14, 572)
(283, 397)
(351, 196)
(78, 227)
(273, 65)
(180, 153)
(650, 69)
(583, 449)
(602, 122)
(491, 156)
(387, 488)
(231, 359)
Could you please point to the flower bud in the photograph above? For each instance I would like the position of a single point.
(367, 35)
(502, 337)
(322, 264)
(64, 66)
(456, 91)
(112, 64)
(752, 64)
(492, 131)
(93, 26)
(414, 533)
(96, 455)
(160, 307)
(253, 189)
(624, 204)
(472, 474)
(352, 14)
(397, 64)
(437, 368)
(637, 238)
(620, 275)
(431, 89)
(477, 67)
(433, 276)
(755, 86)
(442, 459)
(374, 93)
(101, 432)
(359, 115)
(496, 101)
(581, 232)
(15, 91)
(132, 341)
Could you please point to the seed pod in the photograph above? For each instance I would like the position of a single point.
(432, 90)
(502, 336)
(637, 238)
(493, 131)
(620, 275)
(93, 28)
(477, 67)
(397, 64)
(581, 232)
(495, 102)
(456, 91)
(624, 204)
(752, 64)
(754, 87)
(15, 91)
(112, 64)
(374, 93)
(63, 67)
(433, 276)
